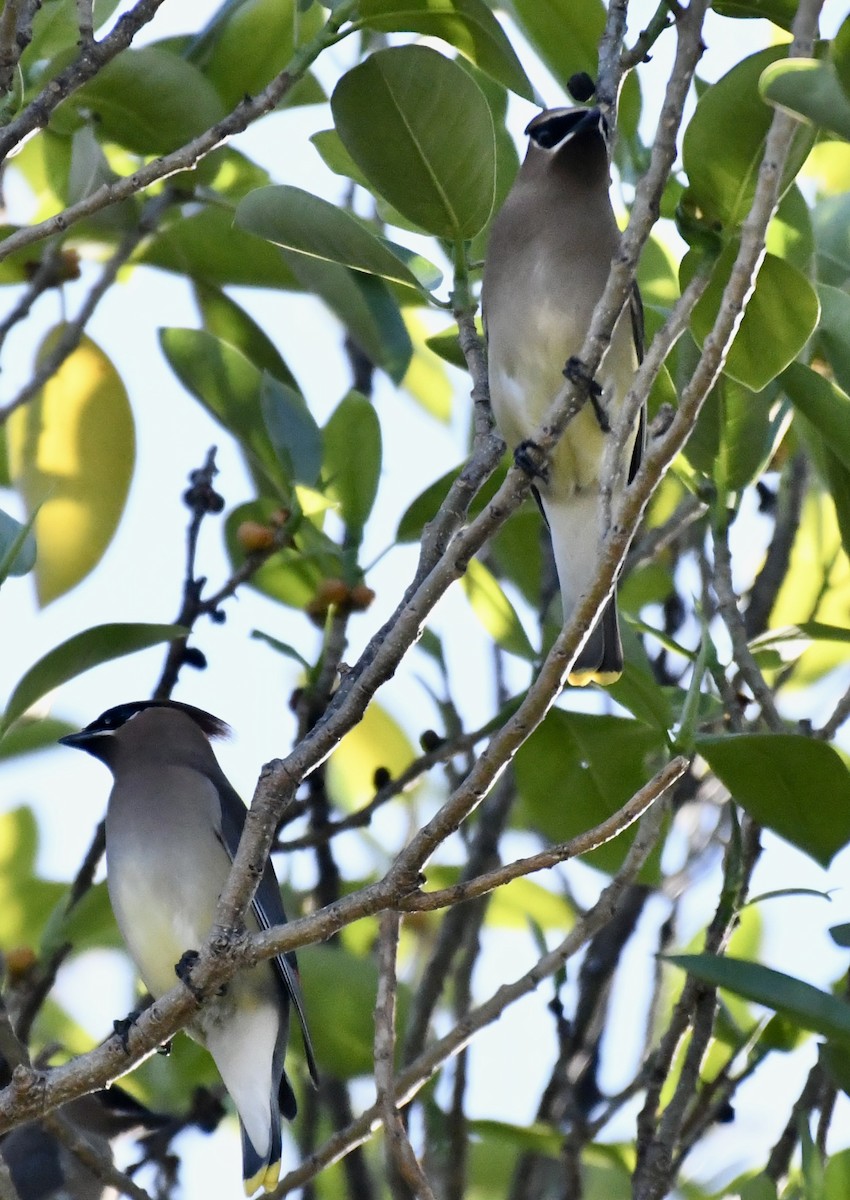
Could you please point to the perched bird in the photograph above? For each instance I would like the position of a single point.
(40, 1167)
(548, 260)
(172, 829)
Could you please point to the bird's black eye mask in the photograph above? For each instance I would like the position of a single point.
(551, 132)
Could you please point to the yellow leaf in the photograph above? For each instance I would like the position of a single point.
(71, 452)
(378, 741)
(426, 379)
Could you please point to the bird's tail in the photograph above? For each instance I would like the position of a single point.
(574, 529)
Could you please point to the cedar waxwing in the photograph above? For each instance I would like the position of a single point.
(548, 260)
(41, 1168)
(172, 830)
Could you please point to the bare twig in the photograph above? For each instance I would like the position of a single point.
(245, 113)
(100, 1165)
(72, 332)
(632, 811)
(398, 1144)
(93, 56)
(413, 1077)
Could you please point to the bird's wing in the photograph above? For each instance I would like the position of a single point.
(268, 909)
(638, 333)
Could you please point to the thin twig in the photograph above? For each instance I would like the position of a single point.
(100, 1165)
(413, 1077)
(72, 331)
(614, 825)
(246, 112)
(398, 1144)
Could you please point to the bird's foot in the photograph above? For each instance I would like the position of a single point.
(165, 1048)
(530, 458)
(122, 1028)
(183, 970)
(576, 372)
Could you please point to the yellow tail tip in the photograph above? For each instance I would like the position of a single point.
(583, 678)
(266, 1178)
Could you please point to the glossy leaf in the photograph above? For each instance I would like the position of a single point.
(566, 36)
(292, 575)
(300, 221)
(352, 463)
(781, 12)
(71, 456)
(468, 25)
(56, 25)
(737, 433)
(253, 42)
(420, 130)
(576, 769)
(229, 388)
(150, 101)
(824, 404)
(800, 1002)
(834, 332)
(365, 306)
(781, 779)
(495, 611)
(831, 220)
(206, 247)
(780, 317)
(294, 434)
(224, 319)
(790, 234)
(78, 654)
(722, 172)
(17, 547)
(810, 90)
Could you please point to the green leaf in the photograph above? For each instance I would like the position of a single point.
(839, 53)
(831, 220)
(781, 315)
(421, 131)
(781, 12)
(292, 575)
(352, 463)
(344, 1039)
(737, 433)
(230, 388)
(294, 434)
(834, 332)
(17, 547)
(71, 456)
(150, 101)
(781, 779)
(241, 53)
(56, 25)
(566, 36)
(495, 611)
(824, 404)
(31, 735)
(809, 90)
(790, 234)
(801, 1003)
(365, 306)
(840, 934)
(722, 172)
(206, 247)
(25, 900)
(78, 654)
(577, 769)
(300, 221)
(224, 319)
(468, 25)
(283, 648)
